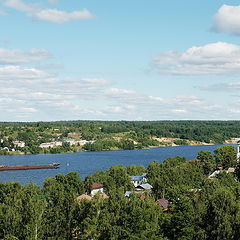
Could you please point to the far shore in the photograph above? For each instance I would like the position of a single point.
(150, 147)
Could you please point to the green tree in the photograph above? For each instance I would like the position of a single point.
(207, 161)
(226, 156)
(222, 211)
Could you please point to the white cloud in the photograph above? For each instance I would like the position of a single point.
(222, 87)
(59, 17)
(179, 111)
(236, 111)
(17, 72)
(214, 58)
(19, 56)
(227, 19)
(50, 15)
(29, 110)
(94, 81)
(118, 92)
(158, 99)
(23, 110)
(21, 6)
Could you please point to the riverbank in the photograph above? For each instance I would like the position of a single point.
(164, 142)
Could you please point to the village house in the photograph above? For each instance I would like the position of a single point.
(138, 180)
(216, 172)
(129, 193)
(19, 144)
(84, 196)
(88, 197)
(96, 188)
(164, 203)
(144, 187)
(50, 144)
(72, 141)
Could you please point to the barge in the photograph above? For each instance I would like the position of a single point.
(28, 167)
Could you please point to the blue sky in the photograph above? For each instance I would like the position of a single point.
(119, 60)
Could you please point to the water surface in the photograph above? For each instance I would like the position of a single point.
(87, 163)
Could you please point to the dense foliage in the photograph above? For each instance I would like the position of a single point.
(113, 135)
(199, 208)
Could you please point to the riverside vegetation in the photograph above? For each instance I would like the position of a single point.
(110, 135)
(199, 208)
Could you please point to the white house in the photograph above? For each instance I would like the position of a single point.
(18, 144)
(96, 188)
(138, 180)
(144, 187)
(238, 150)
(50, 144)
(75, 142)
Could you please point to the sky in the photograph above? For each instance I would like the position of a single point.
(119, 60)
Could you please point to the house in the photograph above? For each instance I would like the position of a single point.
(18, 144)
(84, 196)
(231, 170)
(144, 187)
(83, 142)
(6, 149)
(194, 160)
(164, 203)
(214, 174)
(102, 195)
(138, 180)
(141, 194)
(70, 141)
(50, 144)
(96, 188)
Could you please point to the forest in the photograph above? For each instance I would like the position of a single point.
(199, 207)
(111, 135)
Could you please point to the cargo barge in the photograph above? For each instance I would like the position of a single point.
(28, 167)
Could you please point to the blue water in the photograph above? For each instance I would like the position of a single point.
(87, 163)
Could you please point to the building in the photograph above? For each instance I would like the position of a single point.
(19, 144)
(144, 187)
(214, 174)
(84, 196)
(50, 144)
(96, 188)
(164, 203)
(72, 141)
(238, 150)
(138, 180)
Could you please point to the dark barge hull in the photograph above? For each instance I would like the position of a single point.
(28, 167)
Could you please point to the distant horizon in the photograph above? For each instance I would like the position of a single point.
(89, 120)
(132, 60)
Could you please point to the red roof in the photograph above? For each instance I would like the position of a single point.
(195, 160)
(103, 195)
(97, 186)
(163, 202)
(84, 196)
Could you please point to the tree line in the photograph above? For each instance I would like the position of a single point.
(112, 135)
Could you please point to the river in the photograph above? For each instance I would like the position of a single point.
(87, 163)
